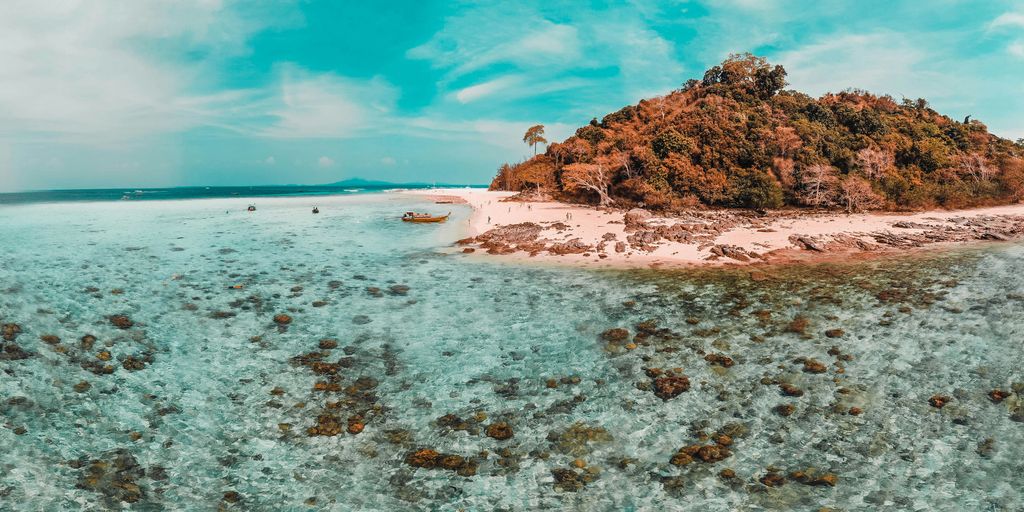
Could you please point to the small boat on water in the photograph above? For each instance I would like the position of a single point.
(316, 210)
(251, 208)
(424, 217)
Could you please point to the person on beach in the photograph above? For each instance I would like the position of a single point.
(488, 219)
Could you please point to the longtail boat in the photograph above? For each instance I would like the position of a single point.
(424, 217)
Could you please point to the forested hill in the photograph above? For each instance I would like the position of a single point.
(736, 138)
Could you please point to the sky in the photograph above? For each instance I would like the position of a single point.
(158, 93)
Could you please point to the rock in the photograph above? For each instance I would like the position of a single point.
(576, 440)
(361, 320)
(998, 395)
(450, 462)
(87, 341)
(422, 458)
(399, 289)
(232, 497)
(10, 331)
(500, 431)
(121, 321)
(620, 246)
(720, 360)
(809, 478)
(812, 366)
(669, 387)
(835, 333)
(616, 335)
(636, 218)
(282, 319)
(82, 386)
(784, 409)
(116, 477)
(681, 458)
(326, 425)
(568, 480)
(327, 344)
(49, 339)
(939, 401)
(773, 480)
(986, 448)
(355, 424)
(855, 411)
(798, 325)
(790, 390)
(727, 474)
(713, 453)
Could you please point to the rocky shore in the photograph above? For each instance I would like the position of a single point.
(503, 225)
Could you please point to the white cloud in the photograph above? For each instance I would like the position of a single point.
(325, 161)
(883, 63)
(1016, 49)
(327, 105)
(484, 89)
(82, 68)
(480, 38)
(387, 160)
(1009, 19)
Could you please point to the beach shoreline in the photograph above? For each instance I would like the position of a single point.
(552, 232)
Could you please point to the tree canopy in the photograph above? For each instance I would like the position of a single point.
(737, 138)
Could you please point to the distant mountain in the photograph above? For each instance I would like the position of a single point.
(361, 183)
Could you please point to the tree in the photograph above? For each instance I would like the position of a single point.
(534, 136)
(858, 195)
(873, 163)
(593, 177)
(818, 183)
(974, 166)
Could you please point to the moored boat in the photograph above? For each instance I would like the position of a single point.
(424, 217)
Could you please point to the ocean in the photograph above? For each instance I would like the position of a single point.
(186, 354)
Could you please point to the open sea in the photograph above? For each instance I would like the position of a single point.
(185, 354)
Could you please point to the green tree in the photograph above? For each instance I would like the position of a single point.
(534, 136)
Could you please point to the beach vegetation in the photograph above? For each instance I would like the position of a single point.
(738, 138)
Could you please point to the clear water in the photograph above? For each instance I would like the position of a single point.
(475, 335)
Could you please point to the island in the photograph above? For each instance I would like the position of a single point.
(734, 169)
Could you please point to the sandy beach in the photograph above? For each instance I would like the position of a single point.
(589, 236)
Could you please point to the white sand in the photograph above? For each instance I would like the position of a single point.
(589, 224)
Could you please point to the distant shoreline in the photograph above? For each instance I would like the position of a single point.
(578, 235)
(199, 192)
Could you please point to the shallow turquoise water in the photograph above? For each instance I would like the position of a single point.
(470, 336)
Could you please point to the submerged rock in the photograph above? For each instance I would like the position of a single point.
(670, 387)
(576, 439)
(121, 321)
(813, 366)
(282, 319)
(500, 431)
(116, 477)
(615, 335)
(809, 477)
(998, 395)
(10, 331)
(939, 401)
(428, 458)
(720, 360)
(790, 390)
(773, 479)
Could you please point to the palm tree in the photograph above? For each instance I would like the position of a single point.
(534, 136)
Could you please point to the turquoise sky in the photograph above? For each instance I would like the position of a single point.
(132, 94)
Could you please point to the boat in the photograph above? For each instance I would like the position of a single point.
(251, 208)
(424, 217)
(316, 210)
